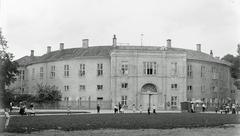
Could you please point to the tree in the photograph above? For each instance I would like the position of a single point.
(8, 69)
(235, 68)
(48, 94)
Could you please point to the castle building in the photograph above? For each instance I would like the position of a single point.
(130, 75)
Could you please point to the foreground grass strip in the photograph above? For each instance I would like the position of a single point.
(118, 121)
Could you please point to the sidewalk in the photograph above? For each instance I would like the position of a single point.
(64, 112)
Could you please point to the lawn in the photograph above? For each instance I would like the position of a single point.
(118, 121)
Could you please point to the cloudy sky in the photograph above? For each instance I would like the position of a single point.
(36, 24)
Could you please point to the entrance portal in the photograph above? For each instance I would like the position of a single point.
(149, 96)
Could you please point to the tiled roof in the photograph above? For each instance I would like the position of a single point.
(197, 55)
(101, 51)
(104, 51)
(26, 60)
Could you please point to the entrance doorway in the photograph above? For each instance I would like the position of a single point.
(149, 96)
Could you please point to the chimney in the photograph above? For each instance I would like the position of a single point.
(48, 49)
(169, 43)
(199, 47)
(61, 46)
(211, 53)
(85, 43)
(32, 53)
(114, 41)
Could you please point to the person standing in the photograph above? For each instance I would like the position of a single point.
(119, 107)
(11, 106)
(7, 117)
(203, 107)
(140, 109)
(98, 108)
(154, 109)
(68, 109)
(233, 109)
(192, 107)
(133, 108)
(22, 109)
(148, 110)
(227, 109)
(237, 108)
(115, 109)
(31, 111)
(216, 109)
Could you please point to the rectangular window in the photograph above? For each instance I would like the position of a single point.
(41, 72)
(66, 70)
(33, 73)
(66, 88)
(124, 85)
(124, 69)
(202, 71)
(174, 101)
(82, 88)
(66, 98)
(124, 100)
(149, 68)
(189, 89)
(174, 86)
(189, 71)
(99, 69)
(52, 73)
(213, 88)
(82, 70)
(174, 68)
(99, 87)
(214, 70)
(202, 88)
(99, 98)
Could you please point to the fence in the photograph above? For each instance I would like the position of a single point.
(76, 105)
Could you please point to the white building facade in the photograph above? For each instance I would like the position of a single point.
(130, 75)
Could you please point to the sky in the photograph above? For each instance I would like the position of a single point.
(36, 24)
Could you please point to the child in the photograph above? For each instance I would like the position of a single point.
(7, 116)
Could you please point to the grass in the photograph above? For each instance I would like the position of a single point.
(118, 121)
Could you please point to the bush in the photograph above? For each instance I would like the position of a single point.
(48, 94)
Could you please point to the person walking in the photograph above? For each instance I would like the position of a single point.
(7, 117)
(98, 108)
